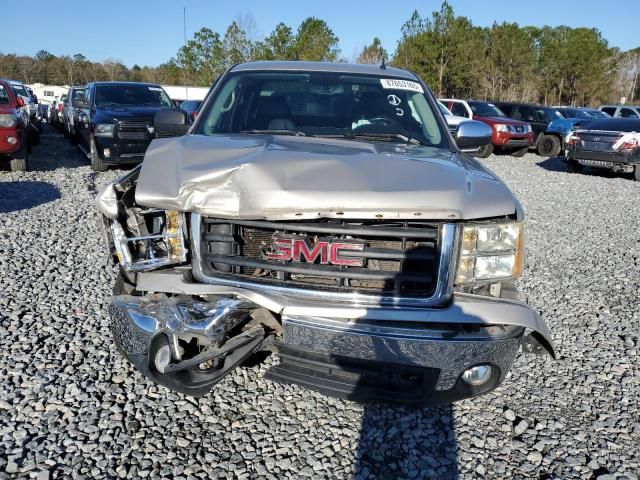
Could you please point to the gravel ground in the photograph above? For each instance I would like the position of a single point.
(71, 407)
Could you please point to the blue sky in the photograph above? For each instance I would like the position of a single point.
(150, 32)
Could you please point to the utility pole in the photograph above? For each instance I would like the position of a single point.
(184, 68)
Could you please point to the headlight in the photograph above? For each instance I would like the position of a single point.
(491, 252)
(148, 252)
(8, 120)
(104, 130)
(501, 128)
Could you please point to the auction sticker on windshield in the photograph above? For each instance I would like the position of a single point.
(397, 84)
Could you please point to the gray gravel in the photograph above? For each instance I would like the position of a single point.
(71, 407)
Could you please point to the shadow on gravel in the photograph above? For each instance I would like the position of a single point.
(383, 451)
(554, 164)
(558, 164)
(16, 196)
(55, 152)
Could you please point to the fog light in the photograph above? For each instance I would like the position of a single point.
(12, 140)
(477, 375)
(107, 153)
(162, 358)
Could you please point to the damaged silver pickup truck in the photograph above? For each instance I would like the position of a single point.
(325, 213)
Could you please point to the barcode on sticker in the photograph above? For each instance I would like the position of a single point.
(397, 84)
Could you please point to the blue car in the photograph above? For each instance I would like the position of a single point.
(573, 117)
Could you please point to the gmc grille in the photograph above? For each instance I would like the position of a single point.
(400, 257)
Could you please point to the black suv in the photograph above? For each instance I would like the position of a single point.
(115, 121)
(539, 116)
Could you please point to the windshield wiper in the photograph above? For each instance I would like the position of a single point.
(284, 131)
(379, 136)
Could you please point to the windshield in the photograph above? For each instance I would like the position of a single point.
(482, 109)
(583, 114)
(131, 95)
(358, 107)
(4, 96)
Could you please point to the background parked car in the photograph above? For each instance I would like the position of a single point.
(70, 108)
(597, 145)
(452, 120)
(539, 117)
(573, 118)
(29, 106)
(115, 121)
(14, 129)
(621, 111)
(512, 136)
(190, 107)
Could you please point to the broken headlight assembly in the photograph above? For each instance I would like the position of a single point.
(150, 239)
(491, 252)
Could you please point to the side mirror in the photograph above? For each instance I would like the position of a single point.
(472, 135)
(20, 101)
(171, 122)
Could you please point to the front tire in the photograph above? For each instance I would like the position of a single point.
(97, 164)
(20, 162)
(484, 152)
(549, 146)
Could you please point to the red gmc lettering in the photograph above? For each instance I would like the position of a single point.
(301, 249)
(335, 258)
(298, 250)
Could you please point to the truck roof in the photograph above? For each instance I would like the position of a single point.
(333, 67)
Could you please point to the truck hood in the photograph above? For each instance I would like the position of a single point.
(277, 177)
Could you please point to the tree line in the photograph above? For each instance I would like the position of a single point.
(550, 65)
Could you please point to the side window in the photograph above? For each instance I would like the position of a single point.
(507, 109)
(458, 109)
(610, 110)
(628, 113)
(526, 114)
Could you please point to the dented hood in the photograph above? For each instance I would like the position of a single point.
(277, 177)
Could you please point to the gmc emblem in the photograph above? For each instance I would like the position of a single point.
(299, 249)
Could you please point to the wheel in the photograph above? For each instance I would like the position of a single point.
(573, 166)
(549, 146)
(520, 152)
(636, 173)
(20, 162)
(97, 163)
(484, 152)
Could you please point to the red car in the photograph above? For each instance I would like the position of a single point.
(509, 135)
(14, 139)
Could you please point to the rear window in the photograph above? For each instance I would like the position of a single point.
(4, 96)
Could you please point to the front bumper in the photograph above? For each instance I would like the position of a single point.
(510, 140)
(121, 151)
(438, 343)
(5, 146)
